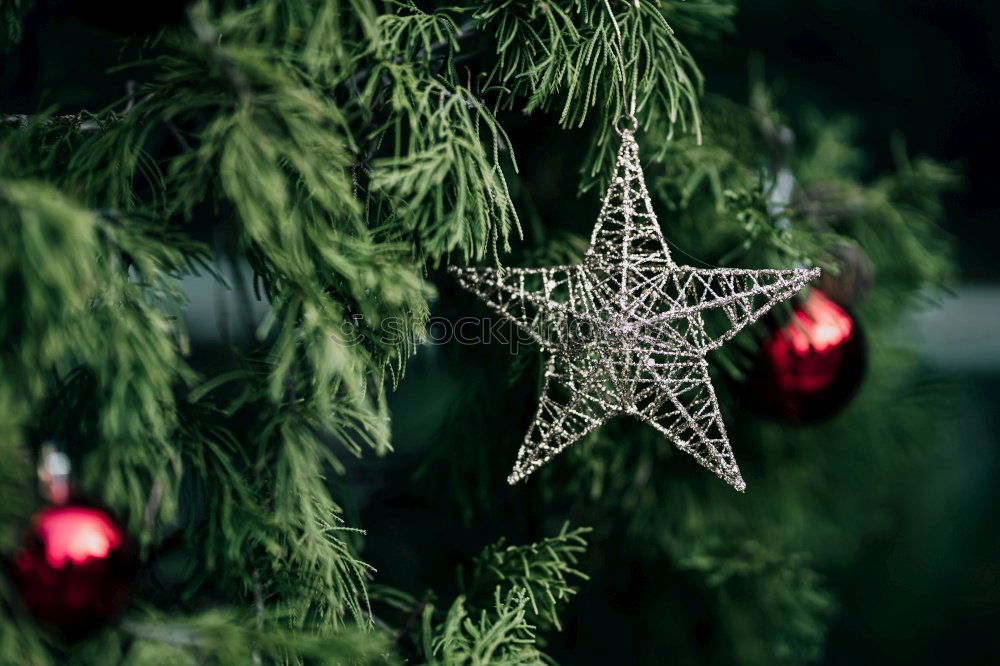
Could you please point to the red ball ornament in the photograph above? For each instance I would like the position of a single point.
(810, 367)
(75, 569)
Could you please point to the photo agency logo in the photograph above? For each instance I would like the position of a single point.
(468, 331)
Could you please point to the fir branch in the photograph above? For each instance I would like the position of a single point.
(311, 569)
(227, 637)
(442, 185)
(412, 36)
(545, 571)
(783, 595)
(78, 310)
(566, 56)
(216, 477)
(499, 637)
(702, 20)
(279, 157)
(49, 278)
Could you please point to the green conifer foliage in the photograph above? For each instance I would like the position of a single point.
(344, 151)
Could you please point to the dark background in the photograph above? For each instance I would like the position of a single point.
(925, 68)
(928, 69)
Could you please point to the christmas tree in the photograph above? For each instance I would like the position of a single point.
(223, 301)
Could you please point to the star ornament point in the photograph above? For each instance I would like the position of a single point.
(626, 331)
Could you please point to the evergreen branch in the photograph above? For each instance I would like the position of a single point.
(279, 157)
(705, 20)
(500, 637)
(566, 56)
(311, 569)
(413, 36)
(516, 589)
(270, 519)
(228, 637)
(543, 570)
(114, 341)
(442, 185)
(215, 475)
(788, 602)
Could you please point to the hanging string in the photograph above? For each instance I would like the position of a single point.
(628, 96)
(635, 60)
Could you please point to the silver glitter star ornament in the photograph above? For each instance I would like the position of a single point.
(627, 330)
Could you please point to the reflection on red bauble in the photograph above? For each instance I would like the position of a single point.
(810, 367)
(75, 569)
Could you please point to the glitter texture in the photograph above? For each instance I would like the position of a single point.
(627, 330)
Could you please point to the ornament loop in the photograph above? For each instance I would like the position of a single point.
(626, 124)
(53, 474)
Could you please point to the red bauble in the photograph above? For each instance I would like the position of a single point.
(810, 367)
(75, 569)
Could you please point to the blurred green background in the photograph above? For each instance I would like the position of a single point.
(927, 590)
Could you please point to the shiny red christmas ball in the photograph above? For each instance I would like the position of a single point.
(810, 367)
(75, 569)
